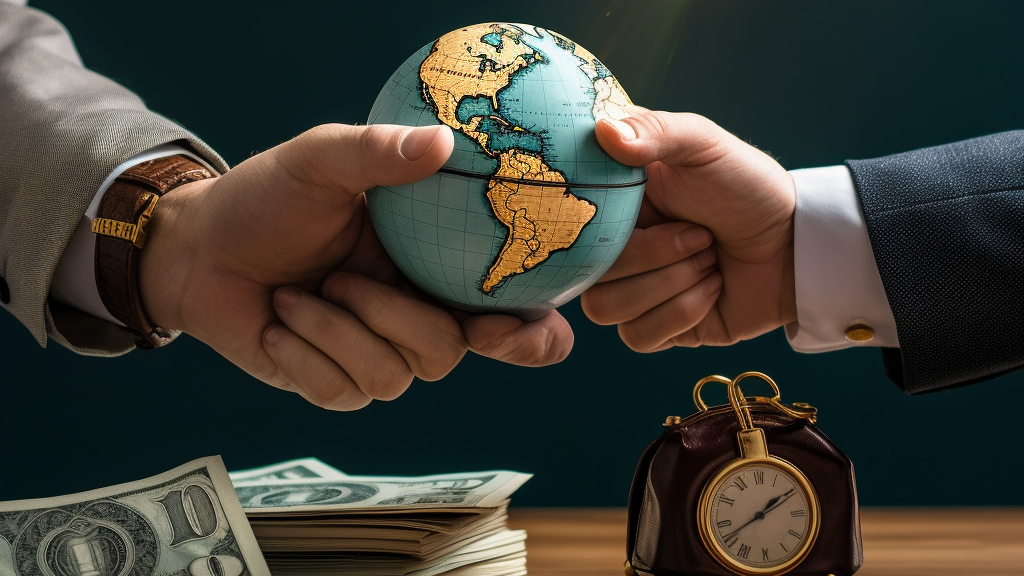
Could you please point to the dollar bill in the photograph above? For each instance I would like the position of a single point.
(185, 522)
(469, 489)
(501, 552)
(302, 468)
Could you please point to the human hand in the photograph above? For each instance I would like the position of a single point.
(664, 290)
(240, 262)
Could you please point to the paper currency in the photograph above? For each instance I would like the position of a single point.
(500, 553)
(452, 524)
(185, 522)
(479, 489)
(299, 469)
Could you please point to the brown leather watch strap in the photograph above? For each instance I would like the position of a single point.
(120, 229)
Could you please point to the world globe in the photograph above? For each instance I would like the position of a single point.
(529, 211)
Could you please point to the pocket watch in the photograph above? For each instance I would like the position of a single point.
(748, 488)
(758, 514)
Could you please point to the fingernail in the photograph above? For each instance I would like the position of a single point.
(286, 297)
(272, 334)
(626, 132)
(416, 141)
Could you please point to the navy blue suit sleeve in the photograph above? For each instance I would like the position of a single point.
(947, 231)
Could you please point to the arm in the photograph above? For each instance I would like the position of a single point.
(273, 264)
(947, 231)
(65, 129)
(945, 228)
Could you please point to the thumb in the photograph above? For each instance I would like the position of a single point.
(648, 136)
(357, 158)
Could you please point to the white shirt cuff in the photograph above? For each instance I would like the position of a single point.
(837, 280)
(74, 281)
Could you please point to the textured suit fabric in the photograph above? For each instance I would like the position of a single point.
(63, 129)
(947, 231)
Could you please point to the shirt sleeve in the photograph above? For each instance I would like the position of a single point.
(840, 299)
(74, 281)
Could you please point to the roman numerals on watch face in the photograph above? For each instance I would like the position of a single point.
(760, 515)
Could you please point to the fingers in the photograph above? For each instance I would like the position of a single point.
(676, 138)
(656, 264)
(658, 246)
(340, 354)
(310, 372)
(509, 339)
(357, 158)
(628, 298)
(429, 339)
(655, 329)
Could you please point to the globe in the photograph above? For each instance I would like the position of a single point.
(529, 211)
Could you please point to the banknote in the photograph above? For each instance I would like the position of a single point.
(185, 522)
(500, 552)
(393, 534)
(291, 470)
(320, 496)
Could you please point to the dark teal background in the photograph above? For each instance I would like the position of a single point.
(811, 82)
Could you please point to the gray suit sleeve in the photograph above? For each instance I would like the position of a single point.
(947, 231)
(64, 129)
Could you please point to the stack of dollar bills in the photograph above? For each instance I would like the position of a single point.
(186, 522)
(311, 519)
(306, 517)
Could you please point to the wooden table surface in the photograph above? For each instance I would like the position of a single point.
(897, 542)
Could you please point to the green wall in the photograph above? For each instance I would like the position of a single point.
(812, 82)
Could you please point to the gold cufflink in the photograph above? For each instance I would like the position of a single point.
(859, 333)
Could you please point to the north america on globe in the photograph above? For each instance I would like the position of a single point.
(461, 78)
(528, 211)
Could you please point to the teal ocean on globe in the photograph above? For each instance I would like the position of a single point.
(529, 211)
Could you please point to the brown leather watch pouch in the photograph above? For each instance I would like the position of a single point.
(663, 538)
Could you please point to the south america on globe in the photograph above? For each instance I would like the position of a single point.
(529, 211)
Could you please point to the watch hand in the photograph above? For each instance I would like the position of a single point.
(759, 515)
(777, 501)
(730, 535)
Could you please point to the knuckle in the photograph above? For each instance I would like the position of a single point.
(366, 141)
(698, 120)
(319, 133)
(652, 124)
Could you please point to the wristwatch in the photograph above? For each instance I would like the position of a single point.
(120, 228)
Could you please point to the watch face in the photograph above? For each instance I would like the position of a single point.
(759, 516)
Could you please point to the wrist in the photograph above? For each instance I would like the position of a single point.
(166, 265)
(122, 231)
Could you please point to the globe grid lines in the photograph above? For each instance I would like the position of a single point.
(413, 99)
(537, 278)
(443, 232)
(526, 244)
